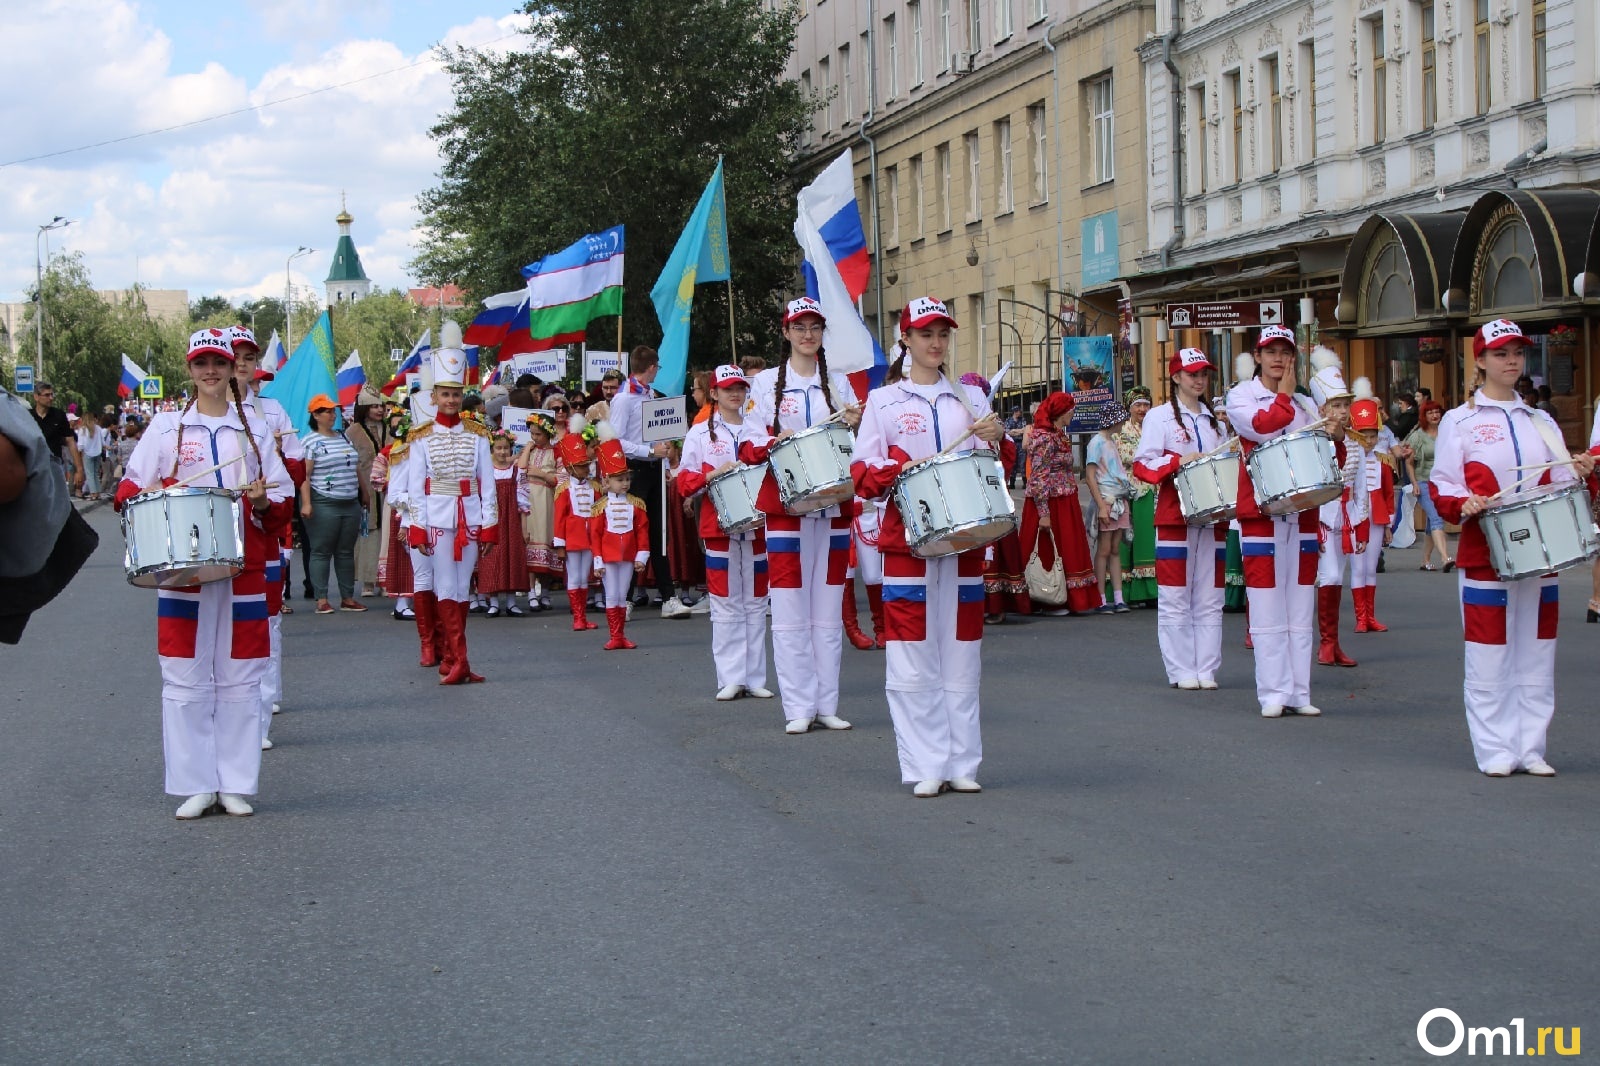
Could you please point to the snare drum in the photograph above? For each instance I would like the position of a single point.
(812, 468)
(1295, 472)
(954, 503)
(1540, 533)
(733, 493)
(178, 537)
(1208, 489)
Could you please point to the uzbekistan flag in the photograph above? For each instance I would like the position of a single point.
(568, 289)
(349, 379)
(837, 268)
(494, 321)
(132, 378)
(411, 364)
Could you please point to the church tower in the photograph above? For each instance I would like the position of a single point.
(347, 282)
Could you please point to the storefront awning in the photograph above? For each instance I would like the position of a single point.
(1212, 286)
(1396, 270)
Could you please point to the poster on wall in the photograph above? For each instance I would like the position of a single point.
(1088, 364)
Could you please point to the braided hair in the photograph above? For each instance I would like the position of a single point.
(238, 406)
(1177, 411)
(783, 380)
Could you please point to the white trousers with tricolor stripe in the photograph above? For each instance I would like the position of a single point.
(1190, 579)
(1280, 566)
(806, 561)
(1510, 682)
(736, 579)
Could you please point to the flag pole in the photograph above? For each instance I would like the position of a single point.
(733, 338)
(619, 338)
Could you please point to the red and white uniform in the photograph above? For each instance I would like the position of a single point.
(1280, 553)
(1190, 560)
(450, 504)
(620, 534)
(736, 567)
(576, 503)
(293, 454)
(1353, 525)
(1509, 626)
(933, 608)
(213, 639)
(807, 555)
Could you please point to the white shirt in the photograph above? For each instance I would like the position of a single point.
(803, 404)
(627, 418)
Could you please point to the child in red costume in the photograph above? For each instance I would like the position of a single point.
(576, 504)
(620, 534)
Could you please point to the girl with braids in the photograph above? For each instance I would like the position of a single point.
(212, 639)
(807, 555)
(933, 608)
(1189, 559)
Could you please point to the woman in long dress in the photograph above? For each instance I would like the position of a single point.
(538, 465)
(1052, 506)
(1139, 588)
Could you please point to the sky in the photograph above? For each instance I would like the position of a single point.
(219, 206)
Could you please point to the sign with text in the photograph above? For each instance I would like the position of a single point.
(664, 419)
(595, 364)
(1230, 314)
(24, 378)
(1087, 404)
(546, 366)
(1102, 261)
(514, 420)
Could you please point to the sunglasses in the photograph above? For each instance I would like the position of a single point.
(560, 408)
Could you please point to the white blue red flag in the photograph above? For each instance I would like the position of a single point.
(411, 364)
(349, 379)
(132, 378)
(837, 269)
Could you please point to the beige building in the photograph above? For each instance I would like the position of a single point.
(999, 152)
(166, 305)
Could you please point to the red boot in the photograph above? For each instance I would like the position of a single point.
(616, 621)
(1330, 654)
(875, 605)
(426, 607)
(852, 621)
(577, 599)
(454, 614)
(1366, 603)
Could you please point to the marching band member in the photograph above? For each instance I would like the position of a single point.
(736, 566)
(1485, 448)
(450, 509)
(620, 534)
(1190, 560)
(933, 608)
(807, 555)
(213, 639)
(1280, 552)
(1356, 525)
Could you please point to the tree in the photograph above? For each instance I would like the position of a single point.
(206, 310)
(382, 320)
(617, 113)
(265, 316)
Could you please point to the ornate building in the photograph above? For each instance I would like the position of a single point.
(347, 281)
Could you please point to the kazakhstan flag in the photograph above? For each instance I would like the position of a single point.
(701, 254)
(308, 372)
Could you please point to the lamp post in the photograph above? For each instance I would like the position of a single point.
(59, 222)
(288, 300)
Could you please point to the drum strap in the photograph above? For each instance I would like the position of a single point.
(1552, 439)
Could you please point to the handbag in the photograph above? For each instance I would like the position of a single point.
(1047, 586)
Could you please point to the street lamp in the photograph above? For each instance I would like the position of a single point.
(288, 300)
(59, 222)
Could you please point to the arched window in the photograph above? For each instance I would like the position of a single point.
(1387, 294)
(1508, 268)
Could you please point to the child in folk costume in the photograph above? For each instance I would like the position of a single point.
(807, 554)
(451, 508)
(394, 566)
(503, 572)
(213, 639)
(1485, 449)
(538, 464)
(1190, 559)
(620, 533)
(576, 503)
(736, 566)
(1355, 527)
(1112, 488)
(1280, 552)
(933, 608)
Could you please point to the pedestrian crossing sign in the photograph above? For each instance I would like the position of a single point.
(150, 389)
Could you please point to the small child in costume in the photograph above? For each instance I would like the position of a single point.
(504, 573)
(620, 534)
(576, 504)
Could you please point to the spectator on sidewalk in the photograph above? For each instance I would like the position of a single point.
(331, 501)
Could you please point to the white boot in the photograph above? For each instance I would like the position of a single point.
(235, 804)
(195, 806)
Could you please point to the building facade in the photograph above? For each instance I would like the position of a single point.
(999, 154)
(347, 280)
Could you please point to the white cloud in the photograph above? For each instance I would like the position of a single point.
(218, 206)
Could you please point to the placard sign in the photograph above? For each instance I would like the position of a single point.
(514, 420)
(664, 419)
(1086, 410)
(595, 364)
(546, 366)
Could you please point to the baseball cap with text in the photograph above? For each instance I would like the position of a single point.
(924, 311)
(803, 306)
(1190, 359)
(1497, 334)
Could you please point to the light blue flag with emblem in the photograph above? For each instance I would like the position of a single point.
(308, 372)
(701, 254)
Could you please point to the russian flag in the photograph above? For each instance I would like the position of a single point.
(412, 364)
(471, 351)
(837, 268)
(274, 357)
(519, 340)
(495, 321)
(132, 378)
(349, 379)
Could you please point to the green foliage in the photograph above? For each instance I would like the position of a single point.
(384, 319)
(211, 311)
(617, 113)
(264, 316)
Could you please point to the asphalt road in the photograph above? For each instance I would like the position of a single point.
(589, 860)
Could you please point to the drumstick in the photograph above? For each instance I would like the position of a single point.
(1514, 486)
(1544, 466)
(208, 470)
(1224, 446)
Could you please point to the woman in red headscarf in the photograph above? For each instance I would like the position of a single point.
(1052, 505)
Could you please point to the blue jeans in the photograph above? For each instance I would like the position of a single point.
(1425, 501)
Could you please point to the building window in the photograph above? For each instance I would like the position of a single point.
(1002, 19)
(847, 84)
(1430, 69)
(1308, 93)
(914, 14)
(1541, 71)
(1195, 133)
(975, 316)
(1037, 10)
(919, 222)
(1004, 199)
(1274, 86)
(1039, 153)
(1380, 81)
(891, 57)
(946, 49)
(825, 74)
(974, 178)
(891, 184)
(1102, 131)
(1236, 141)
(805, 91)
(1482, 62)
(974, 25)
(941, 156)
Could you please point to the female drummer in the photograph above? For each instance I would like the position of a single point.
(1280, 552)
(1189, 559)
(212, 639)
(1485, 448)
(807, 555)
(933, 608)
(736, 566)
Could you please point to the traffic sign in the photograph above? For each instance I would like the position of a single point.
(150, 389)
(1229, 314)
(24, 377)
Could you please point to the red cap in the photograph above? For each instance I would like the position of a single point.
(728, 374)
(242, 336)
(924, 311)
(612, 458)
(803, 306)
(574, 450)
(1275, 333)
(210, 342)
(1365, 415)
(1496, 334)
(1190, 359)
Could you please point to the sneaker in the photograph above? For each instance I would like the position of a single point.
(729, 692)
(1308, 711)
(1189, 684)
(266, 745)
(796, 726)
(1539, 768)
(324, 607)
(1121, 608)
(277, 709)
(1106, 608)
(928, 789)
(1498, 769)
(760, 692)
(235, 804)
(1272, 710)
(673, 607)
(353, 606)
(832, 721)
(195, 806)
(1209, 684)
(965, 784)
(701, 606)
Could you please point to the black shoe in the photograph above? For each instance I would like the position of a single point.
(1382, 566)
